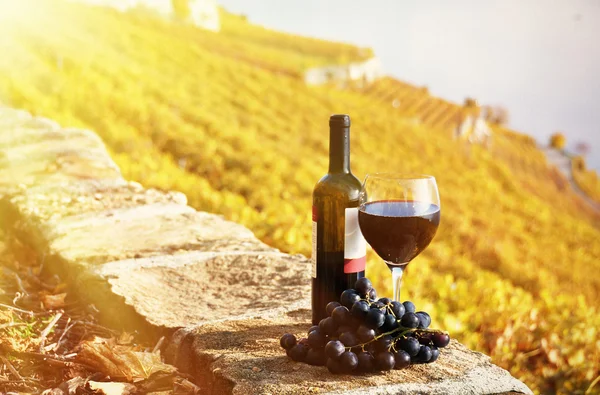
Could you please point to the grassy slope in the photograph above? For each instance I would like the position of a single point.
(511, 271)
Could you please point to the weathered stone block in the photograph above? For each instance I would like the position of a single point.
(60, 200)
(244, 357)
(199, 287)
(149, 230)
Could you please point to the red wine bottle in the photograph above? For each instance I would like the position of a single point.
(339, 249)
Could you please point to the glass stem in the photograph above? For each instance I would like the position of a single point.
(397, 279)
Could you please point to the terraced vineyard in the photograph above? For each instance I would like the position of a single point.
(225, 118)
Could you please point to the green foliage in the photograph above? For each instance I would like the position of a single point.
(226, 119)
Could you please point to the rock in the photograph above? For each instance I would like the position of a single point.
(38, 156)
(34, 151)
(37, 205)
(199, 287)
(10, 117)
(247, 356)
(143, 231)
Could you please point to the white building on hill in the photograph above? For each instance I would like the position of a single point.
(203, 13)
(474, 130)
(365, 72)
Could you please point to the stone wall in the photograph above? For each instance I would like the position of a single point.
(148, 261)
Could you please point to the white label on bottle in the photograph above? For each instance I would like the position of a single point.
(314, 243)
(355, 246)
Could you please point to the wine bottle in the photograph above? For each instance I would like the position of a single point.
(339, 249)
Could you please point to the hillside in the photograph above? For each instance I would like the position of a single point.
(512, 269)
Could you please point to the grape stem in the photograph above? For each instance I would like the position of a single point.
(404, 332)
(388, 307)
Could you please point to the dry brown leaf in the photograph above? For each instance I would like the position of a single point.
(120, 362)
(71, 387)
(112, 388)
(54, 302)
(125, 338)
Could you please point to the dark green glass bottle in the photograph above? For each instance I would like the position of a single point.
(339, 249)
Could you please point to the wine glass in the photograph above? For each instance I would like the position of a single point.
(398, 216)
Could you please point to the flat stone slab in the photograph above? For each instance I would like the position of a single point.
(149, 230)
(200, 287)
(53, 202)
(34, 151)
(244, 357)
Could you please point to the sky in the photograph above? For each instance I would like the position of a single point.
(540, 59)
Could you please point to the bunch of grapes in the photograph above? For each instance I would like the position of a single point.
(364, 334)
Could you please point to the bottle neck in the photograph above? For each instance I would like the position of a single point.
(339, 150)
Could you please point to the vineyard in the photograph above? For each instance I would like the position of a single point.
(226, 119)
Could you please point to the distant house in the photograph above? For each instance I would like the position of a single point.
(474, 130)
(203, 13)
(363, 72)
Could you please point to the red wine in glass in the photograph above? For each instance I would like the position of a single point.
(398, 216)
(398, 230)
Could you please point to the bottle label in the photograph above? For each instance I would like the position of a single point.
(314, 242)
(355, 246)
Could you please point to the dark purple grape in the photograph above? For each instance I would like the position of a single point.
(341, 315)
(366, 362)
(402, 359)
(349, 297)
(385, 360)
(383, 343)
(312, 328)
(360, 309)
(389, 324)
(349, 339)
(425, 339)
(363, 286)
(374, 319)
(424, 319)
(298, 352)
(334, 349)
(398, 309)
(377, 305)
(315, 357)
(330, 306)
(370, 348)
(342, 329)
(409, 307)
(424, 355)
(287, 341)
(372, 294)
(385, 301)
(435, 353)
(365, 334)
(354, 322)
(303, 341)
(333, 365)
(348, 361)
(327, 326)
(409, 320)
(316, 339)
(410, 345)
(440, 340)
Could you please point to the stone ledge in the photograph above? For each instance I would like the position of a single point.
(195, 288)
(244, 357)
